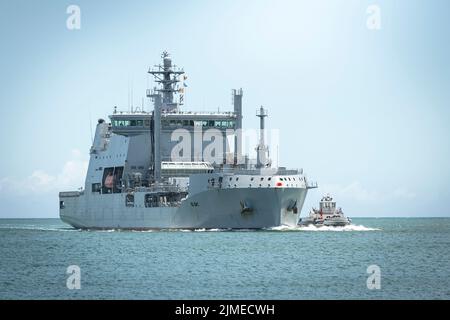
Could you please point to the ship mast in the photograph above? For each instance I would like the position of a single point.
(168, 77)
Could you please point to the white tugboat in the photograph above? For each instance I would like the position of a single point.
(327, 215)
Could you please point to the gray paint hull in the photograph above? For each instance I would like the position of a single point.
(215, 208)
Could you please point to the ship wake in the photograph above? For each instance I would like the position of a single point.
(351, 227)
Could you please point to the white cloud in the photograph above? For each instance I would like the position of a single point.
(71, 177)
(352, 191)
(404, 193)
(355, 191)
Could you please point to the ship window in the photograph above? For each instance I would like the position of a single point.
(139, 123)
(62, 205)
(251, 179)
(96, 187)
(133, 123)
(270, 178)
(147, 123)
(262, 178)
(129, 200)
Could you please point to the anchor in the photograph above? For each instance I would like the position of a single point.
(293, 207)
(246, 207)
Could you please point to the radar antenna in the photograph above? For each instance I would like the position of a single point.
(168, 77)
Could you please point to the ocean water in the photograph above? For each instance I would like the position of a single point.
(413, 255)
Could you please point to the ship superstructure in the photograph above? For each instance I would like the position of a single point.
(170, 168)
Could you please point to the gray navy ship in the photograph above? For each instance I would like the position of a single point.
(143, 173)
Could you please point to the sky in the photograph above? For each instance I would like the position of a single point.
(363, 108)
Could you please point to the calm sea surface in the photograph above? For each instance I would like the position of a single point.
(413, 255)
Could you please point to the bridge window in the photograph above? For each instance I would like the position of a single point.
(221, 124)
(121, 123)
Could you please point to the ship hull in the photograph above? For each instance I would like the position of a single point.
(234, 208)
